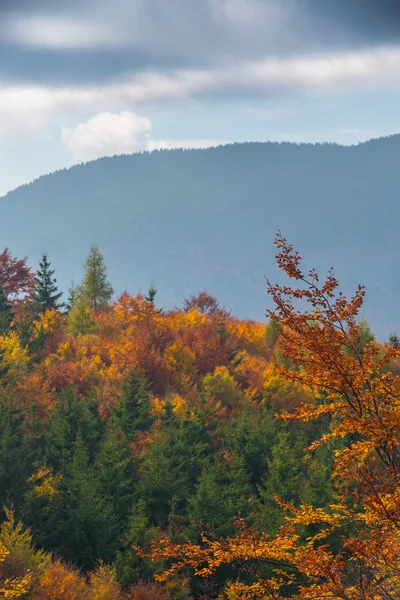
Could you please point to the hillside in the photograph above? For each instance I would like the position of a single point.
(196, 219)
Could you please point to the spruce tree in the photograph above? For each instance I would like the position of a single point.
(46, 294)
(6, 315)
(71, 298)
(132, 413)
(95, 290)
(151, 294)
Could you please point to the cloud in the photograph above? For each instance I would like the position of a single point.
(107, 134)
(27, 108)
(94, 40)
(56, 33)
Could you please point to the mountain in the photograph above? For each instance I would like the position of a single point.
(195, 219)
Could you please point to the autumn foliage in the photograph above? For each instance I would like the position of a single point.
(351, 549)
(189, 454)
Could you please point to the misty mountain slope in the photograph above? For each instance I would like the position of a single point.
(196, 219)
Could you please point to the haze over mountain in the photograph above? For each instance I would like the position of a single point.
(194, 219)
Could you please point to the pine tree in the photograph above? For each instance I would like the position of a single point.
(95, 290)
(71, 298)
(46, 294)
(6, 315)
(151, 294)
(132, 413)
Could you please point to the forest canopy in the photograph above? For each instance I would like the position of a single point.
(190, 454)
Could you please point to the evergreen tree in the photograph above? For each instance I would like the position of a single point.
(151, 294)
(132, 413)
(117, 473)
(79, 524)
(6, 315)
(95, 290)
(130, 567)
(71, 298)
(46, 294)
(80, 320)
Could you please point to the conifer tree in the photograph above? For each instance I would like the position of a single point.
(46, 294)
(132, 414)
(151, 294)
(5, 312)
(95, 290)
(80, 321)
(71, 297)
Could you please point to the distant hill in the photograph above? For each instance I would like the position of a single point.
(194, 219)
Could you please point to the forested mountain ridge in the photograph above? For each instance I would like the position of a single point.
(200, 219)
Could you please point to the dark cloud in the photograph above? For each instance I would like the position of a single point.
(156, 34)
(368, 21)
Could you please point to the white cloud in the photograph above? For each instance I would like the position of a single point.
(107, 134)
(53, 33)
(28, 107)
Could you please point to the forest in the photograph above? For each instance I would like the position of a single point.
(185, 453)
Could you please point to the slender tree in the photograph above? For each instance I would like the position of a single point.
(95, 290)
(5, 312)
(46, 294)
(151, 294)
(80, 321)
(71, 297)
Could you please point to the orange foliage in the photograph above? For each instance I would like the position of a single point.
(351, 551)
(60, 581)
(146, 591)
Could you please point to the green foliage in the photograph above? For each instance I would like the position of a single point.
(151, 294)
(138, 532)
(71, 298)
(22, 556)
(171, 468)
(221, 494)
(285, 477)
(45, 295)
(80, 320)
(117, 474)
(132, 413)
(272, 332)
(6, 314)
(95, 290)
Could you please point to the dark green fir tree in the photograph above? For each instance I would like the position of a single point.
(151, 294)
(46, 294)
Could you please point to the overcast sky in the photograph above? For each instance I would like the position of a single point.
(80, 79)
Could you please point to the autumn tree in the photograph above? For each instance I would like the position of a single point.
(45, 295)
(16, 278)
(349, 550)
(95, 290)
(205, 303)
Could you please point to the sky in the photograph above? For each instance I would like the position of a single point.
(81, 79)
